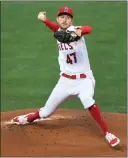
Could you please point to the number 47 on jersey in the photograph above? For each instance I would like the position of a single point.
(71, 58)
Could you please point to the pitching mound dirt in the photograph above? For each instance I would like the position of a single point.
(67, 133)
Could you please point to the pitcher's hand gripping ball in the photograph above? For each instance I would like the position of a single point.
(66, 37)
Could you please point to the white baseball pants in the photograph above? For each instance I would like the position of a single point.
(82, 88)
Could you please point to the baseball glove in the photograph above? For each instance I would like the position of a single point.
(66, 37)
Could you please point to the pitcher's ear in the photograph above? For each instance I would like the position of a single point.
(72, 20)
(57, 19)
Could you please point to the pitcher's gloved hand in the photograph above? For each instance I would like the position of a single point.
(66, 37)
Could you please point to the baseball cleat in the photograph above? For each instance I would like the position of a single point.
(22, 120)
(15, 121)
(112, 139)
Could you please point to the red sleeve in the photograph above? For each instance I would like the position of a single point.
(52, 25)
(86, 29)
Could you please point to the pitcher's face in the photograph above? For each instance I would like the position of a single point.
(64, 21)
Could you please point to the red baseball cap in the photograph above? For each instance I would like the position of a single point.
(65, 10)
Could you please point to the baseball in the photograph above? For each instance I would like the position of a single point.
(42, 16)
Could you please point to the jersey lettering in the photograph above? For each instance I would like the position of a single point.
(64, 46)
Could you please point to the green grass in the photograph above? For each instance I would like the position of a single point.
(29, 65)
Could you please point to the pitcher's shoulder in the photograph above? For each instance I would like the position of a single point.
(73, 27)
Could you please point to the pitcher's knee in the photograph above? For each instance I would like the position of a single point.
(44, 112)
(87, 102)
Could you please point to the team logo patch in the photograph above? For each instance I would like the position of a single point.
(66, 9)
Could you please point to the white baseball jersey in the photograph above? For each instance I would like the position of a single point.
(73, 57)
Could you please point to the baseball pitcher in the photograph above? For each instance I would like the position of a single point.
(76, 77)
